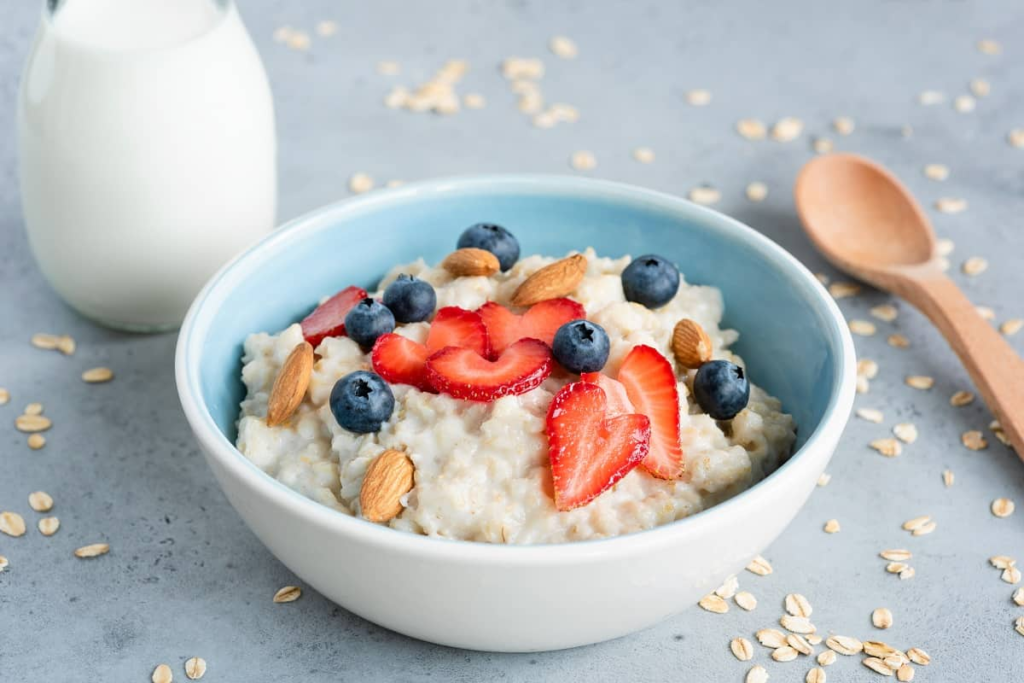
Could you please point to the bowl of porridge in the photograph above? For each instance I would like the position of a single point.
(516, 413)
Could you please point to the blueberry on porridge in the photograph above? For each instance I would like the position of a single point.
(502, 399)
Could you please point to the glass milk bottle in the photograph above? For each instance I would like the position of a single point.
(147, 153)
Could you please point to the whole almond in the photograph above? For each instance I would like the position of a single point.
(290, 385)
(469, 262)
(691, 344)
(388, 478)
(552, 281)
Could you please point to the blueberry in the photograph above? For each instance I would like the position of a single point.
(721, 388)
(411, 300)
(581, 346)
(650, 280)
(492, 238)
(368, 320)
(362, 402)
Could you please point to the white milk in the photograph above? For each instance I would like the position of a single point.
(148, 154)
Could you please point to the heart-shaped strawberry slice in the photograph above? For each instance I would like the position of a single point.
(328, 319)
(541, 321)
(589, 450)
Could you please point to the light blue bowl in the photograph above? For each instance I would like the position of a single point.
(792, 337)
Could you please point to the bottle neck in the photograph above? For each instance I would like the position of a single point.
(135, 24)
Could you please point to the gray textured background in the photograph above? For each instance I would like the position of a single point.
(185, 577)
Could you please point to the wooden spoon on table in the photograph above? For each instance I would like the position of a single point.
(866, 223)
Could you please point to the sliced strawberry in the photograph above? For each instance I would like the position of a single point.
(400, 360)
(589, 449)
(464, 373)
(541, 321)
(650, 383)
(618, 399)
(454, 326)
(328, 319)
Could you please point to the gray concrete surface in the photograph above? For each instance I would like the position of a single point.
(185, 577)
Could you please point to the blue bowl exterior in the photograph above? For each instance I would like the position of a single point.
(790, 332)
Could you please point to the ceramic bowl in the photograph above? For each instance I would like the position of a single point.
(519, 598)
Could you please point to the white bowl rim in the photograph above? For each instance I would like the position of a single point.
(218, 446)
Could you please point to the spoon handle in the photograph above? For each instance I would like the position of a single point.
(997, 371)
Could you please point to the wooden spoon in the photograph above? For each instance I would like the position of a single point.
(866, 223)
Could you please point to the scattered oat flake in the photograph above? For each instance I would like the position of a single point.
(844, 645)
(195, 668)
(704, 195)
(961, 398)
(4, 563)
(752, 129)
(97, 375)
(759, 566)
(800, 644)
(770, 637)
(964, 103)
(797, 605)
(976, 265)
(757, 191)
(5, 396)
(40, 501)
(890, 448)
(474, 100)
(326, 28)
(34, 409)
(936, 172)
(931, 97)
(905, 432)
(916, 522)
(814, 639)
(48, 526)
(922, 382)
(985, 312)
(948, 478)
(1016, 137)
(827, 658)
(698, 98)
(281, 33)
(905, 673)
(871, 415)
(841, 290)
(832, 526)
(787, 129)
(924, 529)
(797, 624)
(758, 674)
(1018, 597)
(881, 618)
(645, 155)
(563, 47)
(815, 675)
(583, 160)
(898, 341)
(863, 385)
(945, 246)
(36, 441)
(885, 312)
(784, 654)
(745, 600)
(1002, 507)
(1012, 326)
(741, 649)
(896, 554)
(974, 440)
(824, 478)
(1001, 561)
(12, 524)
(288, 594)
(950, 205)
(713, 603)
(94, 550)
(843, 125)
(298, 40)
(989, 46)
(1011, 575)
(162, 674)
(980, 87)
(360, 183)
(32, 423)
(44, 341)
(919, 656)
(863, 328)
(822, 145)
(907, 573)
(1018, 625)
(877, 665)
(728, 588)
(867, 367)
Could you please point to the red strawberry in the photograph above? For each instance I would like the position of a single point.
(328, 319)
(402, 361)
(454, 326)
(463, 373)
(618, 399)
(650, 383)
(589, 449)
(541, 321)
